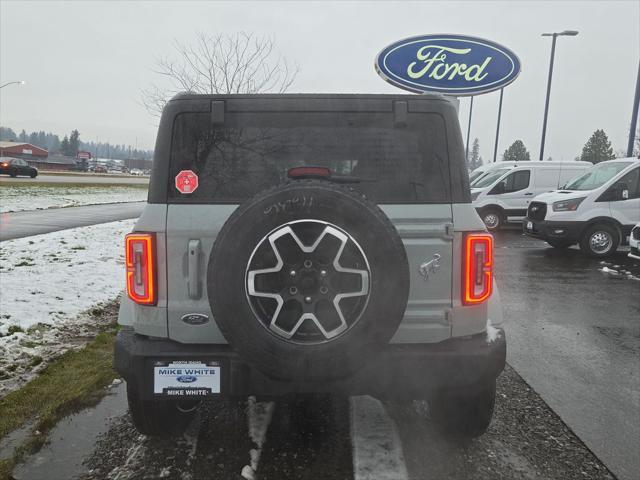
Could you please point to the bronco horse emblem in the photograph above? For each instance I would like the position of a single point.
(432, 266)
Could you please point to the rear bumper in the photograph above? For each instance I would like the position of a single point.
(553, 230)
(406, 371)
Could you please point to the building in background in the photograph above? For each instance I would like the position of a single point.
(25, 151)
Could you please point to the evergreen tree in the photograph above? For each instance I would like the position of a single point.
(23, 136)
(8, 134)
(598, 148)
(517, 152)
(42, 140)
(64, 146)
(74, 143)
(475, 161)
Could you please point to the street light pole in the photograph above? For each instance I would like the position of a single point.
(466, 150)
(634, 116)
(17, 82)
(495, 146)
(555, 35)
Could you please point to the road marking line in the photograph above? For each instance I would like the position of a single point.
(377, 451)
(258, 418)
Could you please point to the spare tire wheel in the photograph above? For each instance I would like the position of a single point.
(308, 280)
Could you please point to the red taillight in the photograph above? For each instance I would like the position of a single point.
(308, 172)
(141, 267)
(477, 268)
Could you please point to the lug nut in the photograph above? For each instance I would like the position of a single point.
(307, 263)
(292, 273)
(307, 299)
(324, 290)
(293, 290)
(323, 273)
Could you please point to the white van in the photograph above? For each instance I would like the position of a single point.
(503, 194)
(597, 210)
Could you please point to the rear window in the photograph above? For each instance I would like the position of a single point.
(253, 151)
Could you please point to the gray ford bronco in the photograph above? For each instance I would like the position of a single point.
(302, 244)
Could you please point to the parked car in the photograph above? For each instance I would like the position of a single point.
(100, 169)
(135, 171)
(634, 242)
(381, 287)
(15, 167)
(597, 210)
(503, 194)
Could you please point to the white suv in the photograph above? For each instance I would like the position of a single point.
(309, 244)
(597, 209)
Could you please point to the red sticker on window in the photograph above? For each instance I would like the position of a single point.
(186, 181)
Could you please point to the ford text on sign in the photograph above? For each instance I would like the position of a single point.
(450, 64)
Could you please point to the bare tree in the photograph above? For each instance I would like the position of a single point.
(237, 63)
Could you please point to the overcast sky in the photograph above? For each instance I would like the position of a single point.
(86, 62)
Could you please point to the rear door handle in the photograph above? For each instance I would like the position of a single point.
(193, 265)
(529, 193)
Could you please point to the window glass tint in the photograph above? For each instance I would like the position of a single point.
(475, 174)
(597, 176)
(632, 181)
(252, 152)
(517, 181)
(489, 177)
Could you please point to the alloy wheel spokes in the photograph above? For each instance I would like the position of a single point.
(309, 284)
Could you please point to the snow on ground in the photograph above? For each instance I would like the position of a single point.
(259, 416)
(46, 283)
(16, 198)
(616, 271)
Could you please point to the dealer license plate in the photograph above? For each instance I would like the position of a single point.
(188, 378)
(529, 225)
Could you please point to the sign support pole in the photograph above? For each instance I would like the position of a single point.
(466, 150)
(495, 146)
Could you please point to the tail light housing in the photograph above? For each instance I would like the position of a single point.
(477, 268)
(141, 267)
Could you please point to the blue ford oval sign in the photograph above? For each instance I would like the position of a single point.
(451, 64)
(186, 379)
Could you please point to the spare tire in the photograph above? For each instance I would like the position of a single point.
(308, 280)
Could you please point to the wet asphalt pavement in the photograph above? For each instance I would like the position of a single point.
(573, 339)
(573, 334)
(34, 222)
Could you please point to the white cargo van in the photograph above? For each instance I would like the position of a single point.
(503, 194)
(597, 210)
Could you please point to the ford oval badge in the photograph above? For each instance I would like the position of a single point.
(195, 318)
(186, 379)
(450, 64)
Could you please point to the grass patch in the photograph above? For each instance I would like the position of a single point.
(25, 263)
(14, 329)
(73, 381)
